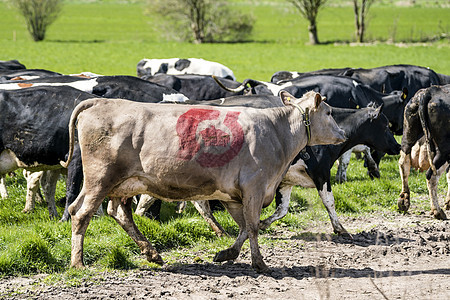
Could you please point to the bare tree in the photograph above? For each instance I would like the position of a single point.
(309, 9)
(202, 20)
(361, 9)
(38, 14)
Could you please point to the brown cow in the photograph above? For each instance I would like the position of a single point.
(174, 152)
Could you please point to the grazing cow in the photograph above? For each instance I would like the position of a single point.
(195, 87)
(25, 74)
(396, 77)
(340, 92)
(177, 66)
(197, 153)
(283, 76)
(124, 87)
(34, 129)
(427, 115)
(11, 65)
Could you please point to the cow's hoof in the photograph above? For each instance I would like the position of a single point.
(226, 255)
(447, 205)
(77, 265)
(403, 202)
(345, 234)
(264, 225)
(155, 258)
(374, 174)
(260, 267)
(440, 215)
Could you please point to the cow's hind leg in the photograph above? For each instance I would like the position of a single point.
(81, 211)
(236, 211)
(432, 185)
(3, 190)
(120, 210)
(205, 211)
(283, 197)
(32, 189)
(447, 199)
(404, 164)
(48, 182)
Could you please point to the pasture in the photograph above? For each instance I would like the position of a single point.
(110, 37)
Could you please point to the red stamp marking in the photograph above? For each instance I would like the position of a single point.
(213, 147)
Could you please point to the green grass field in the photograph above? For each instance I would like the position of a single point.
(109, 37)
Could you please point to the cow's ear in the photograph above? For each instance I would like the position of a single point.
(317, 100)
(376, 113)
(286, 97)
(404, 94)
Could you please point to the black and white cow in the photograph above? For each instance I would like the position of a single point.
(124, 87)
(11, 65)
(34, 129)
(177, 66)
(428, 115)
(25, 74)
(195, 87)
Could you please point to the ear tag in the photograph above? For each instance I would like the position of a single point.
(357, 106)
(403, 96)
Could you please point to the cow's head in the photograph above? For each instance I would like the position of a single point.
(316, 117)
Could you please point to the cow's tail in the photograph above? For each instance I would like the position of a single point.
(238, 89)
(72, 124)
(424, 98)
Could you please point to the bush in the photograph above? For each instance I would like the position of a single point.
(201, 20)
(38, 14)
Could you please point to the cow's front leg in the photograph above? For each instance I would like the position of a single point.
(236, 212)
(120, 210)
(252, 213)
(326, 194)
(404, 164)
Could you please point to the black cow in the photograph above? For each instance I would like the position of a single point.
(396, 77)
(34, 128)
(340, 92)
(283, 76)
(25, 74)
(124, 87)
(11, 65)
(427, 114)
(195, 87)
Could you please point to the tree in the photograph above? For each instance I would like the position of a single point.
(309, 9)
(38, 14)
(202, 20)
(361, 12)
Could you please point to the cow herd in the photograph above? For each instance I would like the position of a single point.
(185, 129)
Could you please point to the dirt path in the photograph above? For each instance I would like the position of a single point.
(390, 257)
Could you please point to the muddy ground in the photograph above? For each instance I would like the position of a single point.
(390, 257)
